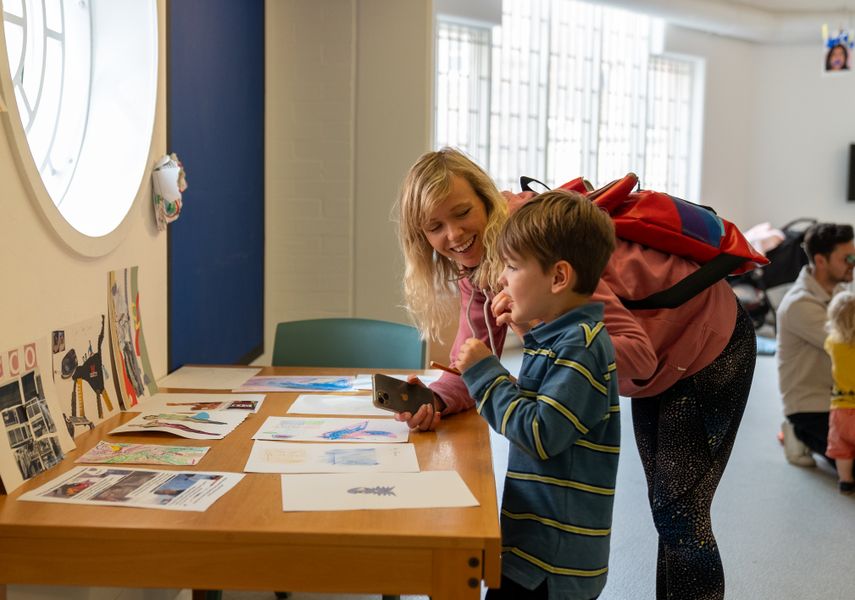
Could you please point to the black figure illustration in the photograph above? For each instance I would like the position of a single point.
(379, 490)
(92, 372)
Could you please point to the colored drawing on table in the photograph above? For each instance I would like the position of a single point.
(332, 430)
(297, 383)
(143, 454)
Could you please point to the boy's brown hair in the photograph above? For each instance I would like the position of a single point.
(562, 225)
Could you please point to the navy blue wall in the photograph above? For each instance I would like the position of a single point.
(215, 123)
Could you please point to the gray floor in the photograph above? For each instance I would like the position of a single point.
(784, 532)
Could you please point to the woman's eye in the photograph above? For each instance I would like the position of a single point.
(463, 213)
(432, 228)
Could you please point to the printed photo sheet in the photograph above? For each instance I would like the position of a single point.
(298, 383)
(114, 453)
(331, 404)
(138, 488)
(208, 378)
(34, 436)
(200, 425)
(194, 402)
(131, 364)
(357, 491)
(83, 375)
(331, 429)
(301, 457)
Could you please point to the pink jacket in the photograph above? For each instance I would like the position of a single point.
(654, 348)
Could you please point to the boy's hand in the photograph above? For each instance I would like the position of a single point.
(501, 307)
(470, 353)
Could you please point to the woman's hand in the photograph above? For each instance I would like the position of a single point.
(501, 307)
(427, 417)
(472, 351)
(517, 200)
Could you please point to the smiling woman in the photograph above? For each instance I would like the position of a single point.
(80, 92)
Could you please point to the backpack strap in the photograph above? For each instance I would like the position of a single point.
(688, 287)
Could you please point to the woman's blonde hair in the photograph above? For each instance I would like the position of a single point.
(841, 318)
(429, 277)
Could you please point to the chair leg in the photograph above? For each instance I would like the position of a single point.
(207, 595)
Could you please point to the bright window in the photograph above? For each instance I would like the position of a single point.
(83, 81)
(574, 90)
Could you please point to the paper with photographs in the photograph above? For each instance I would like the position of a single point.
(330, 404)
(300, 457)
(298, 383)
(113, 453)
(198, 425)
(138, 488)
(331, 429)
(34, 436)
(82, 375)
(133, 371)
(195, 402)
(208, 378)
(353, 491)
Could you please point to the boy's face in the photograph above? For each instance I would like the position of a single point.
(529, 288)
(455, 228)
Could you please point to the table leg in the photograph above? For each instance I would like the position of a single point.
(2, 591)
(457, 574)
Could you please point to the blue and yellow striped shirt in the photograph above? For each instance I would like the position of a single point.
(562, 419)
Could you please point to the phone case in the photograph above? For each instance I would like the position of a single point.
(399, 396)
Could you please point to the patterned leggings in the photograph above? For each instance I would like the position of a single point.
(684, 438)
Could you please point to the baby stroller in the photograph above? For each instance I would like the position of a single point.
(786, 261)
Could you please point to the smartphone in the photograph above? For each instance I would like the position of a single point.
(399, 396)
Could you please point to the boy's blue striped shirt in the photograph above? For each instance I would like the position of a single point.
(562, 419)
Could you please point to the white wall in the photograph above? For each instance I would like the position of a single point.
(348, 111)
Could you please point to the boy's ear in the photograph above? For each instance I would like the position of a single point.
(563, 277)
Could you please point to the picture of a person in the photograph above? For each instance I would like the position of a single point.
(837, 58)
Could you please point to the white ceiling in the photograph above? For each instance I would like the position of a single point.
(806, 6)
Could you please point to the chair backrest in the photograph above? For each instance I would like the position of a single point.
(342, 342)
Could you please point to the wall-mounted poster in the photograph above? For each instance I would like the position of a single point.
(132, 367)
(84, 381)
(837, 50)
(34, 437)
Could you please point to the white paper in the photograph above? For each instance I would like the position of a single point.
(300, 457)
(327, 404)
(114, 453)
(200, 425)
(298, 383)
(194, 402)
(353, 491)
(207, 378)
(331, 429)
(363, 380)
(138, 488)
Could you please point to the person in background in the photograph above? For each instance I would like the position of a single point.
(561, 414)
(804, 368)
(687, 369)
(840, 345)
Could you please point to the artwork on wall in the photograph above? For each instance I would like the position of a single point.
(34, 437)
(133, 369)
(837, 50)
(84, 381)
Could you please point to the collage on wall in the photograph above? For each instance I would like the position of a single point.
(56, 388)
(837, 50)
(34, 438)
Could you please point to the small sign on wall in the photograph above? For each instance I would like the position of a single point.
(837, 50)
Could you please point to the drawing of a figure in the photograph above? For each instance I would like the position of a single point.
(132, 370)
(156, 423)
(92, 372)
(201, 417)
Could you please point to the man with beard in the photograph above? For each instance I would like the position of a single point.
(804, 368)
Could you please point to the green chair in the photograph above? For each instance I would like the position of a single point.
(348, 342)
(343, 342)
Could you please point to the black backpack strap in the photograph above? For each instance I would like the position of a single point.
(690, 286)
(525, 184)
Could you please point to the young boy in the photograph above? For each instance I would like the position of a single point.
(561, 415)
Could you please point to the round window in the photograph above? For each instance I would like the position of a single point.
(81, 94)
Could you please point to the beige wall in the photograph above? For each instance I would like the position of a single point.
(47, 285)
(348, 111)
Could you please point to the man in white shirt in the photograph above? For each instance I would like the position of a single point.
(804, 368)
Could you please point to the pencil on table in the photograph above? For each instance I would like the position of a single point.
(436, 365)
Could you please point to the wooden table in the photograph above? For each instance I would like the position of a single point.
(245, 541)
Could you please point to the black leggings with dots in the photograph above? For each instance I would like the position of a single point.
(684, 438)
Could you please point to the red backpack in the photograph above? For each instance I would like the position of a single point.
(666, 223)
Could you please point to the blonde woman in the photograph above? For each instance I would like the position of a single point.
(450, 214)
